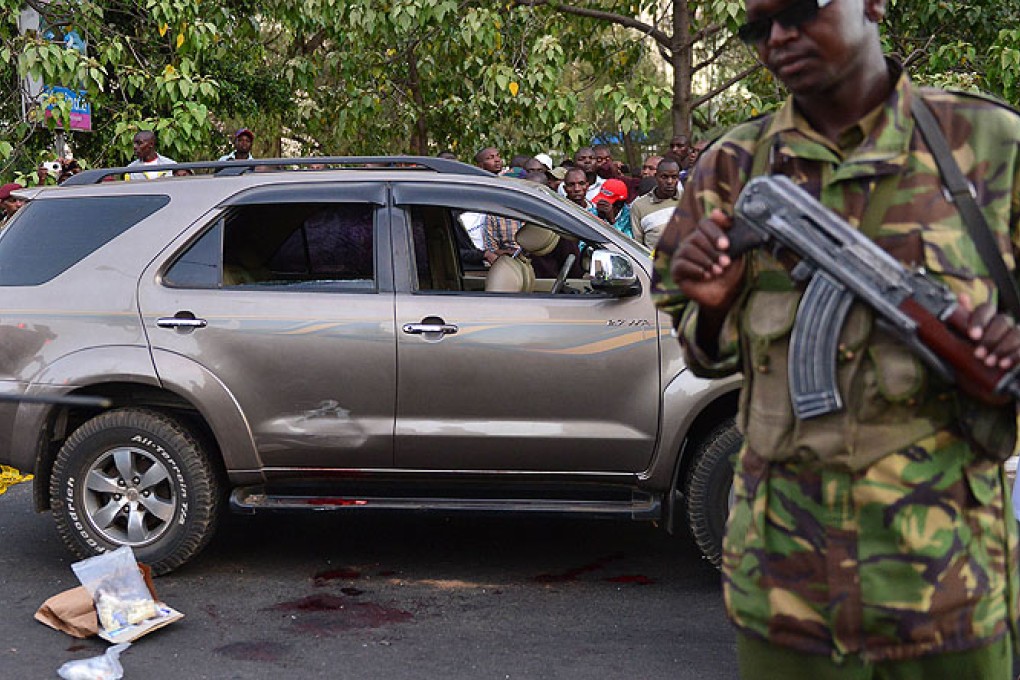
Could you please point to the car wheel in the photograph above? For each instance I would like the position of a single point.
(709, 489)
(135, 477)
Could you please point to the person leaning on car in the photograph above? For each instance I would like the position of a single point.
(872, 542)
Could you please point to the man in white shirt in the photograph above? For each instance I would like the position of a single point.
(145, 155)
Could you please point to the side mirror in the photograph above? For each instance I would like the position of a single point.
(613, 273)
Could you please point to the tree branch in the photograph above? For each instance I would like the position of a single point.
(612, 17)
(698, 101)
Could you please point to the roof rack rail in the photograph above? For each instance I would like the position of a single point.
(242, 167)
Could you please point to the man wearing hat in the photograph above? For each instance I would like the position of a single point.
(9, 204)
(611, 202)
(243, 139)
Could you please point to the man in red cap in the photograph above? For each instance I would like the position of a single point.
(611, 202)
(9, 204)
(243, 139)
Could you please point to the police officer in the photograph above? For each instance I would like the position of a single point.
(871, 542)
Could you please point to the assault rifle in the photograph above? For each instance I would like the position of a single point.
(840, 265)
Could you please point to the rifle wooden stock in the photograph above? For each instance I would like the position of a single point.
(951, 343)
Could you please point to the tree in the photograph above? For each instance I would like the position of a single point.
(386, 76)
(145, 69)
(691, 37)
(972, 45)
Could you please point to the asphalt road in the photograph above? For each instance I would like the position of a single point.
(392, 597)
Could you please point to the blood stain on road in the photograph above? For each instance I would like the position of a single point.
(636, 579)
(573, 574)
(332, 614)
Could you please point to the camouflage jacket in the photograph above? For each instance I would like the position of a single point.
(907, 553)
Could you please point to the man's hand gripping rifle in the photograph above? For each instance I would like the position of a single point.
(841, 265)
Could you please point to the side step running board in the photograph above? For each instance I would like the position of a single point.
(641, 506)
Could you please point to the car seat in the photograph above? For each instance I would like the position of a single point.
(510, 274)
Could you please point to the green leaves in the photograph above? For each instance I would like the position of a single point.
(378, 76)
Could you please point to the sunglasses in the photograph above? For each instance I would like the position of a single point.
(795, 14)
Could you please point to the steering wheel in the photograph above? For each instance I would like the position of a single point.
(561, 278)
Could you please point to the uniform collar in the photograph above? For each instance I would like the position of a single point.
(877, 144)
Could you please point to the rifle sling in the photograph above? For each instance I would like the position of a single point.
(960, 191)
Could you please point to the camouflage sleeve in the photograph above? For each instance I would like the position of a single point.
(715, 183)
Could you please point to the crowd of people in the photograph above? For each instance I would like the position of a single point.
(636, 204)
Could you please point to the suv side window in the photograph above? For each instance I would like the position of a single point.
(447, 259)
(293, 246)
(49, 236)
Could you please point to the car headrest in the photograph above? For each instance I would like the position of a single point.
(536, 240)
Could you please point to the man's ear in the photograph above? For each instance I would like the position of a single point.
(874, 10)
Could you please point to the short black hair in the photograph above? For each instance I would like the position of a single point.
(666, 161)
(481, 152)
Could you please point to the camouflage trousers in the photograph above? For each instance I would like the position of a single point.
(762, 661)
(910, 557)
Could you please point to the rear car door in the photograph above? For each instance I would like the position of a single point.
(286, 297)
(530, 381)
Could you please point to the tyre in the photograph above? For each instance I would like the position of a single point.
(709, 486)
(135, 477)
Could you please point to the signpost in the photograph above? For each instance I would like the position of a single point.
(34, 91)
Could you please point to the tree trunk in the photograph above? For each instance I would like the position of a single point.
(682, 61)
(631, 155)
(420, 135)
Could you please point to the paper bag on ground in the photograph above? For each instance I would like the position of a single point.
(74, 612)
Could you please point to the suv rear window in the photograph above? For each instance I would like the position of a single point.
(292, 246)
(49, 236)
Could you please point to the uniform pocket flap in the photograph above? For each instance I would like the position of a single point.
(770, 314)
(898, 372)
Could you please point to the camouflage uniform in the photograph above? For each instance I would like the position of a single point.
(876, 532)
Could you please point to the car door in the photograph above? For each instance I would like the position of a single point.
(286, 298)
(533, 382)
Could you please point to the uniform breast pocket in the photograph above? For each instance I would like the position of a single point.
(767, 410)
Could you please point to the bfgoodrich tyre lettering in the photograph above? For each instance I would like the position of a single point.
(135, 477)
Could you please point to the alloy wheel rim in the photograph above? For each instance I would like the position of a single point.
(129, 496)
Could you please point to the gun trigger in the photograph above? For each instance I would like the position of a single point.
(802, 271)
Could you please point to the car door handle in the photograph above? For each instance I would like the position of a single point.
(420, 328)
(181, 322)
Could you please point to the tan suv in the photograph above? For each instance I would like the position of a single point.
(279, 338)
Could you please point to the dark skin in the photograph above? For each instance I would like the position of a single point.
(11, 205)
(835, 70)
(585, 159)
(144, 145)
(575, 185)
(667, 176)
(650, 165)
(489, 159)
(604, 165)
(608, 211)
(680, 146)
(242, 146)
(533, 165)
